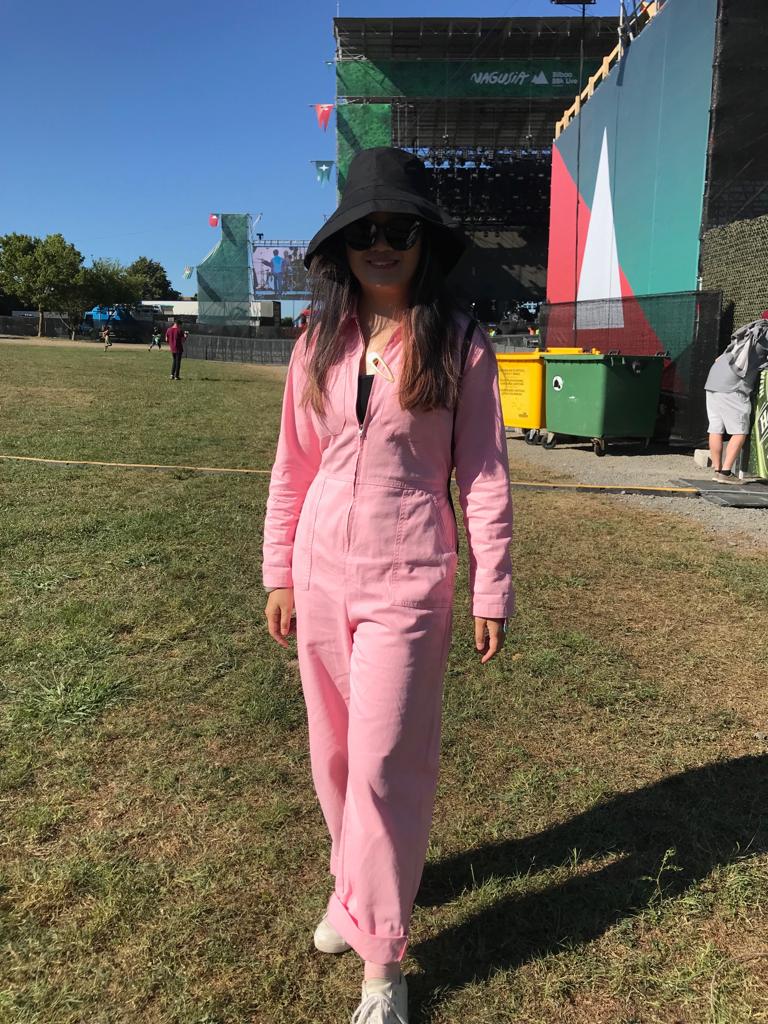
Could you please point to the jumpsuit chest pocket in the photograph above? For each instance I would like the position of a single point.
(305, 534)
(424, 562)
(332, 421)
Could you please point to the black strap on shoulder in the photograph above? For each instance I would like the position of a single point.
(465, 347)
(462, 364)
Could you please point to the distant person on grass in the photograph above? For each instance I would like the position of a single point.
(106, 337)
(176, 336)
(729, 388)
(157, 339)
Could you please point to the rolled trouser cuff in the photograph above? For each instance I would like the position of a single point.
(385, 949)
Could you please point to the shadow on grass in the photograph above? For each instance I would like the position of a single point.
(708, 817)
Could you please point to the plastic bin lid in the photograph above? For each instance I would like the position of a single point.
(518, 357)
(594, 357)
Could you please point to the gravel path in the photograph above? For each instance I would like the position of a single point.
(631, 465)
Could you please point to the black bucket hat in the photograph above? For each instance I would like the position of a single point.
(388, 180)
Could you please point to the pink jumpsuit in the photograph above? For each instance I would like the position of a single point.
(359, 524)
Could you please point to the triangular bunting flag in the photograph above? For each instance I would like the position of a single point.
(323, 111)
(323, 169)
(187, 271)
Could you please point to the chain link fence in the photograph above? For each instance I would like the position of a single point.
(239, 350)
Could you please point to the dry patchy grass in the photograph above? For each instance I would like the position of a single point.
(599, 852)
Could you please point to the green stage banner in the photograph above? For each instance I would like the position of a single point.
(493, 79)
(360, 126)
(758, 448)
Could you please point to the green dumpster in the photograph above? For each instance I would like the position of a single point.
(602, 396)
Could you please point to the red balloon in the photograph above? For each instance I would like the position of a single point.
(213, 220)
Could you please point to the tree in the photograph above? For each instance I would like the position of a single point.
(105, 283)
(152, 279)
(41, 271)
(112, 284)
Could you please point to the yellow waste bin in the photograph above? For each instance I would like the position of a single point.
(521, 385)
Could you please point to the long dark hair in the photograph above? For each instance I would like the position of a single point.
(429, 376)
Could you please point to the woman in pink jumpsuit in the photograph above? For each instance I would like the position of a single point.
(360, 540)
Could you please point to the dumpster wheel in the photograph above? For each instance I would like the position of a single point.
(549, 441)
(532, 437)
(599, 446)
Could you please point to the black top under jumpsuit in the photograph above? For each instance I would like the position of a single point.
(363, 394)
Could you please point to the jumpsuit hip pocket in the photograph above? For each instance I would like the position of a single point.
(305, 535)
(424, 562)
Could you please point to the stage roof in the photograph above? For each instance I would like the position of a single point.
(493, 124)
(419, 66)
(476, 38)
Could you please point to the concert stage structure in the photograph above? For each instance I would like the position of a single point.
(659, 196)
(477, 99)
(225, 282)
(243, 280)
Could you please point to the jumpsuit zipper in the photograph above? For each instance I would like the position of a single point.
(360, 439)
(362, 427)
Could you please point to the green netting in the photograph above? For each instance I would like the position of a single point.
(225, 277)
(360, 126)
(733, 259)
(497, 79)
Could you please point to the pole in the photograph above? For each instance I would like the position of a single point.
(622, 20)
(578, 172)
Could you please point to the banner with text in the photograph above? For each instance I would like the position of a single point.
(758, 449)
(495, 79)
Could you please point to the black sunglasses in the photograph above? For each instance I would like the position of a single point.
(400, 232)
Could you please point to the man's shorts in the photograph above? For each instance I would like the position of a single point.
(729, 412)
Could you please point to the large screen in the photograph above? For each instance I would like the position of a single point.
(278, 270)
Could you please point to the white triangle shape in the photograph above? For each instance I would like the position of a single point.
(600, 277)
(540, 79)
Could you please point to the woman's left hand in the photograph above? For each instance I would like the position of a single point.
(489, 637)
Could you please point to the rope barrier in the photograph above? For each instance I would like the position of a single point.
(690, 492)
(131, 465)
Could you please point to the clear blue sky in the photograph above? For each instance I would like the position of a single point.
(131, 122)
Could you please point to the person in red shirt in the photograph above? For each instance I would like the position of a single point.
(176, 336)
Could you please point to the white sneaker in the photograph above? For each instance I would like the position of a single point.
(384, 1002)
(328, 940)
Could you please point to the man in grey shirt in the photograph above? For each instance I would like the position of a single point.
(729, 388)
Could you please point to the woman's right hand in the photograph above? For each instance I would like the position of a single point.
(279, 611)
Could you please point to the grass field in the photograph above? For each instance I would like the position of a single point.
(600, 845)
